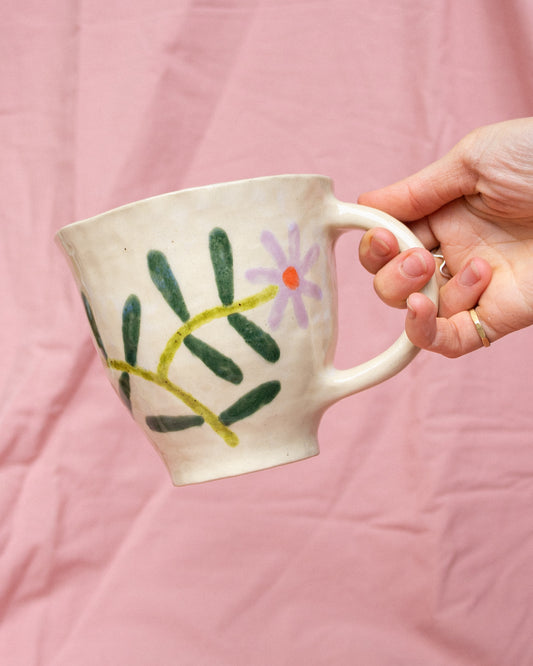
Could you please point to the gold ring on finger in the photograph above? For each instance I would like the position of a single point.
(479, 328)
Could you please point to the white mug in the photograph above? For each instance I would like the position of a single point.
(214, 312)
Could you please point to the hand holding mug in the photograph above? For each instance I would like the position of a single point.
(474, 208)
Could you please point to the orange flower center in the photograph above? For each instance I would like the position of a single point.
(291, 278)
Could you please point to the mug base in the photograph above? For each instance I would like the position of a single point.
(186, 475)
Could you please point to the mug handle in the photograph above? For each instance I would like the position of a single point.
(342, 383)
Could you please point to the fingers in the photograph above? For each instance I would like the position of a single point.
(400, 274)
(408, 272)
(453, 333)
(397, 275)
(398, 278)
(451, 337)
(464, 290)
(377, 247)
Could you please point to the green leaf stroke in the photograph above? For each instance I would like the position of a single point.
(92, 322)
(124, 389)
(131, 325)
(222, 366)
(164, 279)
(250, 403)
(173, 423)
(254, 336)
(222, 260)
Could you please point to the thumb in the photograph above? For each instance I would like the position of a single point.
(428, 190)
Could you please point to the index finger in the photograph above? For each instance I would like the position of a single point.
(426, 191)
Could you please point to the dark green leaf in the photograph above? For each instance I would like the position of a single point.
(173, 423)
(222, 260)
(163, 278)
(221, 365)
(131, 325)
(94, 327)
(259, 340)
(124, 389)
(251, 402)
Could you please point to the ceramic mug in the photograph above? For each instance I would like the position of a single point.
(214, 312)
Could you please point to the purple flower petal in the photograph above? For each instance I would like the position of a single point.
(294, 245)
(271, 244)
(270, 275)
(310, 289)
(278, 308)
(309, 259)
(299, 309)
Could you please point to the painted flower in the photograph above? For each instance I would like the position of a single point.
(289, 276)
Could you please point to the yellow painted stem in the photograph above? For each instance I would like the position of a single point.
(197, 407)
(205, 317)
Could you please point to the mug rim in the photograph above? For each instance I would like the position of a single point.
(209, 186)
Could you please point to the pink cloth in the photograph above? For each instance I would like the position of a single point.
(409, 540)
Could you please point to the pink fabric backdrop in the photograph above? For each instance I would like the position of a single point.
(409, 540)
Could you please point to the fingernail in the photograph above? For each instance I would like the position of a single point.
(413, 266)
(469, 275)
(380, 246)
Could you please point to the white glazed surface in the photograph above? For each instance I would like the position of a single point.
(108, 256)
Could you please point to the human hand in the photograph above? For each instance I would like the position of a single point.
(475, 205)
